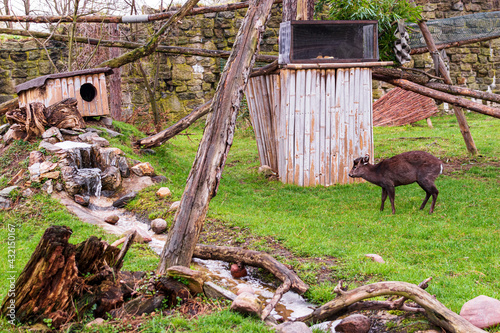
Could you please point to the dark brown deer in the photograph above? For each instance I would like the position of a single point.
(402, 169)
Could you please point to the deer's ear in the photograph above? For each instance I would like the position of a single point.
(366, 159)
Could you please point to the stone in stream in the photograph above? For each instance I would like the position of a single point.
(123, 200)
(293, 327)
(82, 200)
(212, 290)
(112, 219)
(248, 304)
(482, 311)
(122, 165)
(111, 179)
(159, 226)
(356, 323)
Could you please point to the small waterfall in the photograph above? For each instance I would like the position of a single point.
(92, 178)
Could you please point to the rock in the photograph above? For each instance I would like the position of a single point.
(50, 175)
(238, 270)
(159, 226)
(293, 327)
(174, 206)
(15, 132)
(48, 187)
(244, 288)
(111, 133)
(148, 151)
(108, 156)
(139, 306)
(5, 203)
(195, 279)
(59, 187)
(375, 257)
(112, 219)
(266, 171)
(122, 165)
(7, 191)
(482, 311)
(36, 157)
(69, 132)
(247, 303)
(101, 142)
(163, 192)
(88, 136)
(52, 140)
(96, 322)
(354, 324)
(140, 237)
(28, 192)
(111, 179)
(123, 200)
(49, 147)
(143, 169)
(53, 132)
(458, 6)
(212, 290)
(107, 121)
(82, 200)
(159, 179)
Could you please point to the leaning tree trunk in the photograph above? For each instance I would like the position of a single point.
(205, 175)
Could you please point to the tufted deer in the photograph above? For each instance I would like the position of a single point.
(402, 169)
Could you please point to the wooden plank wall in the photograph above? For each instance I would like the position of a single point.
(56, 90)
(324, 122)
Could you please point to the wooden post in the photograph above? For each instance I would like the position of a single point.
(115, 80)
(205, 175)
(462, 121)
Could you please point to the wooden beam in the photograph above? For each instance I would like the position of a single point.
(462, 121)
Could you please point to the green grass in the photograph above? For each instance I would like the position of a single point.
(458, 245)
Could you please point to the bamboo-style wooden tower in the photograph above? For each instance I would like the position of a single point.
(311, 123)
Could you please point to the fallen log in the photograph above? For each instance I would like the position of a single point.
(463, 91)
(437, 313)
(252, 258)
(159, 138)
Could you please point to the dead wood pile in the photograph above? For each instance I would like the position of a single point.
(400, 107)
(36, 117)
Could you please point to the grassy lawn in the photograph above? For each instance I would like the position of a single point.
(458, 245)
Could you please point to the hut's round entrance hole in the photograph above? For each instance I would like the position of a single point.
(88, 92)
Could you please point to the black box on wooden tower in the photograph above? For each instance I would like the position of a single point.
(328, 41)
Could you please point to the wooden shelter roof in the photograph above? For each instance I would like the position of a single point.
(40, 81)
(400, 107)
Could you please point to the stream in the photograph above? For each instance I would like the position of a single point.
(291, 305)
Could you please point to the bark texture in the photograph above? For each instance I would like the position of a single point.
(206, 172)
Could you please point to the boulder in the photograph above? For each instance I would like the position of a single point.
(143, 169)
(5, 203)
(50, 175)
(112, 219)
(140, 237)
(194, 279)
(375, 257)
(48, 187)
(159, 226)
(82, 200)
(248, 304)
(49, 147)
(111, 179)
(5, 193)
(36, 157)
(121, 163)
(66, 131)
(212, 290)
(108, 156)
(53, 132)
(123, 200)
(163, 192)
(482, 311)
(354, 324)
(111, 133)
(293, 327)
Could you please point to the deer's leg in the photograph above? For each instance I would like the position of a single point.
(384, 196)
(391, 191)
(430, 189)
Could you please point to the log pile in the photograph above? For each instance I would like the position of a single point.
(36, 117)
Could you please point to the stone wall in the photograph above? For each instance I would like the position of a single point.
(188, 81)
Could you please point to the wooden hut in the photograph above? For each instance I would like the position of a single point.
(87, 86)
(315, 117)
